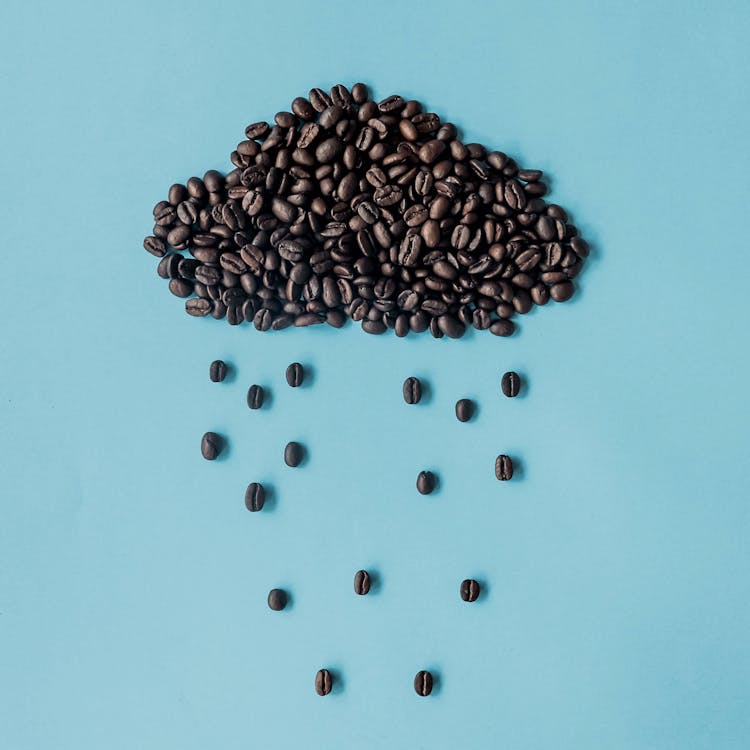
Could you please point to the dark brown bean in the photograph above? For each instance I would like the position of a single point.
(423, 683)
(470, 590)
(211, 446)
(503, 467)
(323, 682)
(361, 582)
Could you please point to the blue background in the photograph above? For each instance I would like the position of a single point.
(133, 580)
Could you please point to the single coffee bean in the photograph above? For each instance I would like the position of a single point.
(412, 390)
(180, 287)
(155, 246)
(464, 409)
(470, 590)
(211, 446)
(255, 496)
(295, 374)
(255, 396)
(502, 328)
(218, 371)
(277, 599)
(423, 683)
(562, 291)
(293, 454)
(425, 482)
(451, 327)
(361, 582)
(198, 308)
(323, 682)
(503, 468)
(511, 384)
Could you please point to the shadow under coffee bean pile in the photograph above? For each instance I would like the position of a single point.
(348, 208)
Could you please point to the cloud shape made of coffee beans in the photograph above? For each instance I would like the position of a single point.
(347, 208)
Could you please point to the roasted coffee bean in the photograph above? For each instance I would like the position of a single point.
(323, 682)
(255, 496)
(347, 207)
(155, 246)
(425, 482)
(180, 287)
(464, 409)
(423, 683)
(511, 384)
(412, 390)
(503, 467)
(502, 328)
(217, 371)
(294, 453)
(169, 266)
(361, 582)
(255, 396)
(211, 445)
(470, 590)
(451, 327)
(561, 291)
(277, 599)
(295, 374)
(198, 308)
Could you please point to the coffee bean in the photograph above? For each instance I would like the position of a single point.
(451, 327)
(323, 682)
(425, 482)
(423, 683)
(211, 446)
(561, 291)
(412, 390)
(294, 453)
(470, 590)
(255, 396)
(295, 374)
(502, 328)
(198, 308)
(503, 467)
(218, 371)
(277, 599)
(255, 496)
(464, 409)
(511, 384)
(180, 287)
(361, 582)
(155, 246)
(344, 207)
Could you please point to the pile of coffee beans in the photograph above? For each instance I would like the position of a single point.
(345, 208)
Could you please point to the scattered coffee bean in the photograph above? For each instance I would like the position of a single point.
(464, 409)
(361, 582)
(412, 390)
(511, 384)
(293, 454)
(295, 374)
(277, 599)
(323, 682)
(211, 445)
(255, 496)
(425, 482)
(423, 683)
(503, 467)
(346, 207)
(470, 590)
(255, 396)
(218, 371)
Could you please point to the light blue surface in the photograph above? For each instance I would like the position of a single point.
(132, 579)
